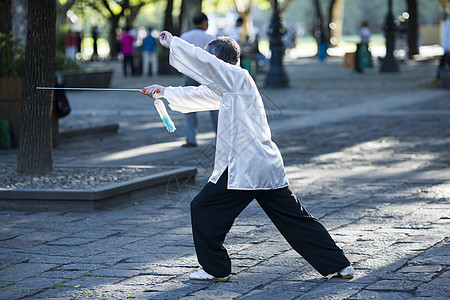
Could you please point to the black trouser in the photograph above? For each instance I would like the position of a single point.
(445, 60)
(128, 60)
(215, 208)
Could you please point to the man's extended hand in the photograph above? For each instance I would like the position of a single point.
(165, 38)
(153, 91)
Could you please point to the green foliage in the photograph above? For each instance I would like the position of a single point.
(62, 63)
(12, 56)
(61, 38)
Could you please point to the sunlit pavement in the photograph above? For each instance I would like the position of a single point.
(367, 154)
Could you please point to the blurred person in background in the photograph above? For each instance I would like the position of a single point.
(126, 47)
(149, 54)
(199, 38)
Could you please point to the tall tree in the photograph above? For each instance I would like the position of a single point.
(244, 12)
(412, 28)
(168, 18)
(318, 22)
(335, 17)
(187, 12)
(34, 154)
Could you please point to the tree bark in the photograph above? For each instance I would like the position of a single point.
(412, 28)
(336, 10)
(318, 22)
(168, 20)
(35, 142)
(244, 13)
(188, 10)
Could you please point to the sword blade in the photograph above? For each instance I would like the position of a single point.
(87, 89)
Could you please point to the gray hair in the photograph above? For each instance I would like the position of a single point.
(226, 49)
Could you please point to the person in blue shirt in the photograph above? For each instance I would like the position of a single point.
(199, 38)
(149, 55)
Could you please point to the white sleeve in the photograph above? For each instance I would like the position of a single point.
(192, 98)
(204, 67)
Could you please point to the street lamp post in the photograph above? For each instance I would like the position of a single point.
(389, 63)
(276, 77)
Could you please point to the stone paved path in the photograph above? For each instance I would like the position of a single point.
(369, 155)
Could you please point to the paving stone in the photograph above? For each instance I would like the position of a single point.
(37, 283)
(394, 285)
(439, 287)
(62, 274)
(13, 293)
(82, 251)
(79, 267)
(62, 292)
(114, 272)
(23, 270)
(88, 281)
(426, 259)
(381, 295)
(328, 290)
(70, 241)
(272, 294)
(420, 269)
(145, 280)
(214, 294)
(171, 290)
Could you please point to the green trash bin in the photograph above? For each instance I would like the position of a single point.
(5, 134)
(365, 58)
(249, 65)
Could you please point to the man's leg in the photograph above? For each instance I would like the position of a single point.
(214, 118)
(190, 127)
(213, 212)
(302, 231)
(125, 62)
(145, 63)
(154, 60)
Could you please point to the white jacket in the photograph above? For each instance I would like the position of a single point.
(243, 143)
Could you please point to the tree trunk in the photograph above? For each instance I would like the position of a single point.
(412, 28)
(113, 41)
(188, 10)
(244, 13)
(318, 22)
(35, 142)
(336, 10)
(168, 20)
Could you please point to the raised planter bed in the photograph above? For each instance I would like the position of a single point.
(89, 77)
(10, 104)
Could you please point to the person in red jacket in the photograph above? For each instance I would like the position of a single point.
(126, 47)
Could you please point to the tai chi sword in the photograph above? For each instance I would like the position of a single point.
(87, 89)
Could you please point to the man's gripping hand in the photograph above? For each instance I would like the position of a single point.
(165, 38)
(153, 91)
